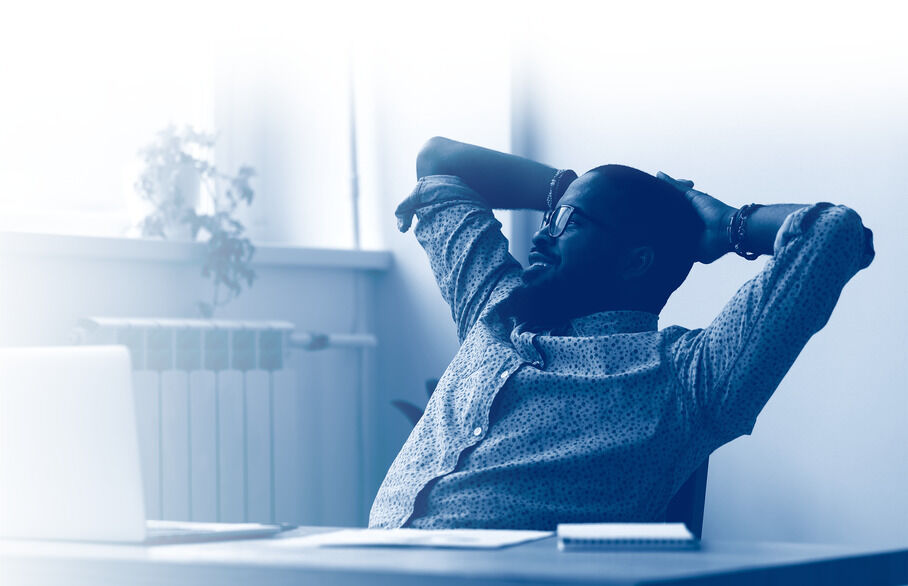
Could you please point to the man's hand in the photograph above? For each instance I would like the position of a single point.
(715, 216)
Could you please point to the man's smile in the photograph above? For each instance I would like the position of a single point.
(537, 257)
(539, 264)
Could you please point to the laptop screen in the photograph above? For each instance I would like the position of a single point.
(69, 454)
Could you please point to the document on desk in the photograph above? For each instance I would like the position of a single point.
(456, 538)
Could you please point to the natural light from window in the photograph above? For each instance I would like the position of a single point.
(87, 85)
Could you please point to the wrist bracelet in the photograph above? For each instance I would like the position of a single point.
(737, 229)
(559, 185)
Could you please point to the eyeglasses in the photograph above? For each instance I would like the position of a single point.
(556, 220)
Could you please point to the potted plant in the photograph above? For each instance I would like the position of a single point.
(178, 163)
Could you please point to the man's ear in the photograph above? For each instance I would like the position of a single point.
(637, 261)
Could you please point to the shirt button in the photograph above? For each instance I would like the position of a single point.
(477, 431)
(505, 374)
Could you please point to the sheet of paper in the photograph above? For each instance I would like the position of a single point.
(460, 538)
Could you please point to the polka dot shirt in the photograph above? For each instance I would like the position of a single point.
(607, 419)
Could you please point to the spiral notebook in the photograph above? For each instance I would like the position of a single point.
(625, 536)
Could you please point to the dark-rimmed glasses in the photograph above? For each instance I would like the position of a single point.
(556, 220)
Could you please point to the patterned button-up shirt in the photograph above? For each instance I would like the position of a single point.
(607, 419)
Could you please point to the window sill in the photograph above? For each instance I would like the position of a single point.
(149, 250)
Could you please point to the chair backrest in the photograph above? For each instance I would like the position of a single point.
(688, 503)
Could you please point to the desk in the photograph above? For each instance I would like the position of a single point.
(271, 561)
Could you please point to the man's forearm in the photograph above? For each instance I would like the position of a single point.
(504, 181)
(760, 230)
(763, 225)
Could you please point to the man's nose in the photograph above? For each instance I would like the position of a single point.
(541, 237)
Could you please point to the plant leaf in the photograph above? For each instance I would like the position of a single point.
(206, 310)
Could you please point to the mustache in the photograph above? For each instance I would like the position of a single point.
(547, 254)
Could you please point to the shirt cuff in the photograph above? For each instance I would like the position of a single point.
(800, 221)
(433, 189)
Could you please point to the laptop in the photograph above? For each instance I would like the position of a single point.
(69, 452)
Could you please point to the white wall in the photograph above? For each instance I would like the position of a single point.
(797, 106)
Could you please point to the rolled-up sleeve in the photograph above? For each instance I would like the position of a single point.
(467, 252)
(729, 370)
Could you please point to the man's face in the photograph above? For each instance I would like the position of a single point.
(580, 267)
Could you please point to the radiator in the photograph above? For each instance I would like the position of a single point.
(217, 413)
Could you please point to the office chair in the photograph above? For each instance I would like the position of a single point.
(688, 503)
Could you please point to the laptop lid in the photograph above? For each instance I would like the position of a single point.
(69, 453)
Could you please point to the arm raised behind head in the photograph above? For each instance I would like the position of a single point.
(504, 181)
(760, 230)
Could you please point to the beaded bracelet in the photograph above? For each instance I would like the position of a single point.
(558, 186)
(737, 228)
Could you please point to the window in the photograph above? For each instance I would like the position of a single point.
(86, 85)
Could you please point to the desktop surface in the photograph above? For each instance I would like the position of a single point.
(278, 561)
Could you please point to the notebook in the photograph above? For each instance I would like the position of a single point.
(625, 536)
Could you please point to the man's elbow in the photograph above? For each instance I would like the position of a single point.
(433, 157)
(846, 235)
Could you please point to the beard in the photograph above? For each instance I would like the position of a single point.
(539, 306)
(543, 304)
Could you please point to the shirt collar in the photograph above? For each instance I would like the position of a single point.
(615, 322)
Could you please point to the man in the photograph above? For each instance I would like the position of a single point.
(565, 403)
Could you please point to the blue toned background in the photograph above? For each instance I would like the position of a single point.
(793, 104)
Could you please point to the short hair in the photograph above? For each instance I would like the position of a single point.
(653, 212)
